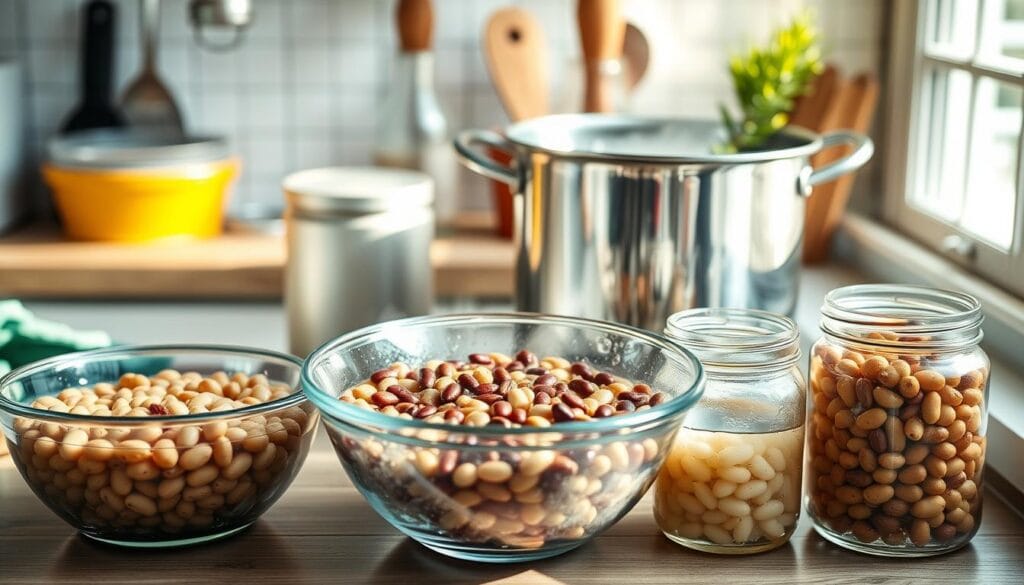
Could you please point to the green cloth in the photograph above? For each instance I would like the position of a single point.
(25, 338)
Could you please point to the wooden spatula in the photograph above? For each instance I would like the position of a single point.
(516, 54)
(602, 32)
(636, 52)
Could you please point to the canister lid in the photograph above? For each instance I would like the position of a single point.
(623, 138)
(110, 148)
(357, 189)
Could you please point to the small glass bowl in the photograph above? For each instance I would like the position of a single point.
(562, 484)
(137, 495)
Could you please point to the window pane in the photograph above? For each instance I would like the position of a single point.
(989, 209)
(1002, 36)
(951, 26)
(942, 162)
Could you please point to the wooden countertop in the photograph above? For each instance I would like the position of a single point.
(37, 262)
(322, 531)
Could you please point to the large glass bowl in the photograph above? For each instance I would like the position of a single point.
(568, 482)
(129, 493)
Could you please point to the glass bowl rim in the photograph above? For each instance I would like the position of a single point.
(16, 375)
(332, 408)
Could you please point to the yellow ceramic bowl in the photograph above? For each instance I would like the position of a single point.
(134, 205)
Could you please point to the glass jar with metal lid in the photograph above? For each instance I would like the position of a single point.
(897, 420)
(731, 483)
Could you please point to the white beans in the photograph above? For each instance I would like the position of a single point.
(722, 489)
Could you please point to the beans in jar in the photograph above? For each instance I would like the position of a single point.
(896, 445)
(724, 489)
(147, 481)
(516, 491)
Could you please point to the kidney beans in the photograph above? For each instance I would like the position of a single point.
(380, 375)
(481, 358)
(562, 412)
(572, 399)
(545, 380)
(383, 399)
(427, 378)
(451, 392)
(526, 357)
(544, 389)
(582, 370)
(403, 394)
(501, 375)
(582, 387)
(485, 389)
(501, 408)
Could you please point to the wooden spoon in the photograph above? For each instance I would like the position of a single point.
(636, 52)
(602, 32)
(517, 59)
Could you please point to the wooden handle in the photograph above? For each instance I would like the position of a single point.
(516, 55)
(415, 25)
(602, 29)
(852, 107)
(602, 33)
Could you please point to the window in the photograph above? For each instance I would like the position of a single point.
(954, 177)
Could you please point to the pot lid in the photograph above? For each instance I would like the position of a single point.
(618, 138)
(110, 148)
(357, 189)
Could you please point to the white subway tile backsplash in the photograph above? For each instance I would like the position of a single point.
(313, 109)
(356, 65)
(8, 25)
(220, 113)
(52, 23)
(313, 19)
(306, 85)
(265, 154)
(357, 20)
(262, 65)
(220, 69)
(313, 150)
(58, 65)
(311, 66)
(358, 111)
(268, 21)
(265, 109)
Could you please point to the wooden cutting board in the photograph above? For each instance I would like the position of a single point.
(37, 262)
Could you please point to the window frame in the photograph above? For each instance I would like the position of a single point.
(903, 147)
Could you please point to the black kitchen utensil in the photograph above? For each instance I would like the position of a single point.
(96, 110)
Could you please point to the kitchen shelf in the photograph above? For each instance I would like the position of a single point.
(323, 531)
(37, 262)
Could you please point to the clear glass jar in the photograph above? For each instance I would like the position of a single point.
(897, 419)
(731, 483)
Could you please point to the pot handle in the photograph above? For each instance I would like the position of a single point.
(863, 148)
(466, 144)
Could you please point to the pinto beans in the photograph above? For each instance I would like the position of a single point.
(892, 465)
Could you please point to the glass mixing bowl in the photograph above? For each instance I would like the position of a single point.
(545, 490)
(157, 481)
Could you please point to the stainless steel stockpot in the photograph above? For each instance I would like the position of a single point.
(632, 219)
